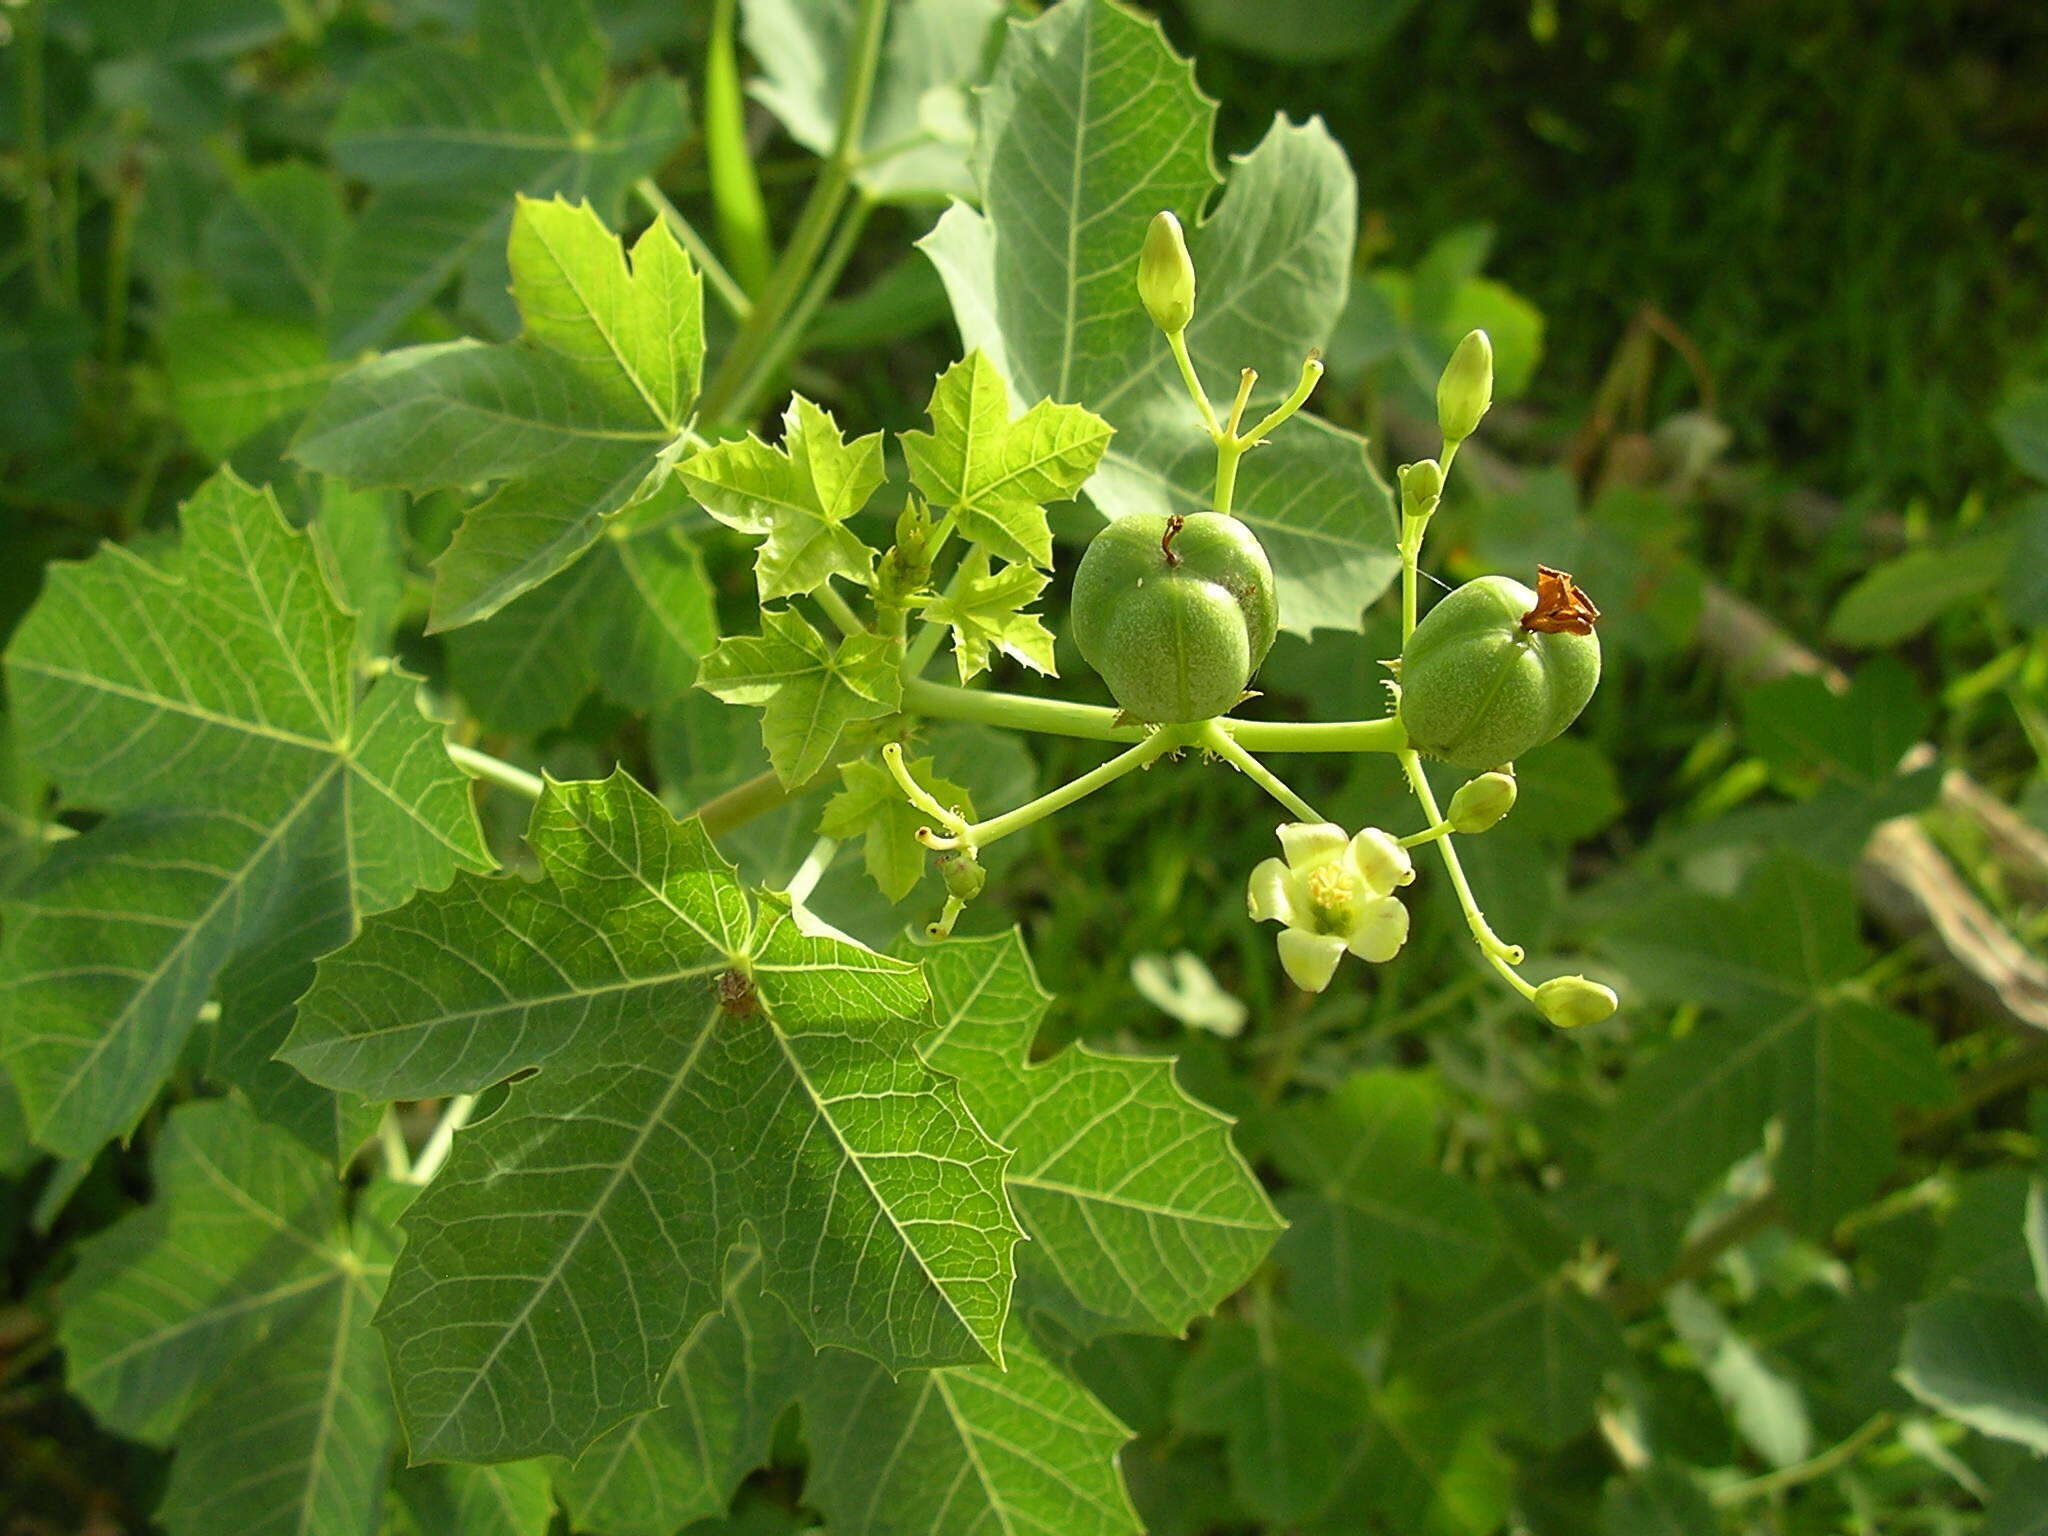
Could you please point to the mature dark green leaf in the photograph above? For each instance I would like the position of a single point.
(574, 418)
(1982, 1359)
(1089, 128)
(1896, 600)
(233, 1311)
(453, 1499)
(1833, 1069)
(1657, 1501)
(710, 1065)
(1372, 1207)
(730, 1381)
(212, 698)
(271, 247)
(1141, 1214)
(1526, 1334)
(1021, 1447)
(448, 136)
(232, 375)
(919, 121)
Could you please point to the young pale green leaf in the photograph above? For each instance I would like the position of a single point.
(709, 1068)
(1021, 1447)
(244, 1234)
(982, 610)
(1525, 1334)
(919, 121)
(574, 419)
(996, 474)
(219, 685)
(1834, 1070)
(1141, 1214)
(873, 808)
(729, 1384)
(449, 135)
(796, 496)
(1090, 127)
(811, 691)
(1373, 1207)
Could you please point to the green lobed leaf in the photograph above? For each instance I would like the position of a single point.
(1657, 1501)
(994, 473)
(634, 616)
(1525, 1334)
(1141, 1213)
(1373, 1208)
(919, 124)
(1020, 1447)
(708, 1066)
(1090, 127)
(573, 419)
(449, 135)
(796, 496)
(729, 1384)
(981, 609)
(210, 697)
(455, 1499)
(811, 690)
(1832, 1068)
(272, 245)
(231, 375)
(872, 808)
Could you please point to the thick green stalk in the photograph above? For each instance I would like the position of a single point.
(814, 225)
(735, 191)
(777, 350)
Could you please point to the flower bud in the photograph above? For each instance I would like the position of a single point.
(963, 875)
(1569, 1001)
(1166, 277)
(1466, 388)
(1481, 803)
(1422, 484)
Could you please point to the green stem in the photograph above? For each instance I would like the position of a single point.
(1311, 374)
(120, 247)
(814, 224)
(735, 191)
(838, 610)
(790, 335)
(35, 153)
(729, 293)
(1178, 341)
(1217, 738)
(1831, 1460)
(391, 1141)
(812, 870)
(1228, 452)
(497, 771)
(454, 1116)
(981, 833)
(1093, 722)
(1427, 835)
(1504, 956)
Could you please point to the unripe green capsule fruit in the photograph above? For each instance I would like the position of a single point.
(1480, 687)
(1175, 614)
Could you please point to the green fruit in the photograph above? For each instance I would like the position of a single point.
(1175, 614)
(1479, 689)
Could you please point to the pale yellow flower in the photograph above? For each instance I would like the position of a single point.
(1333, 893)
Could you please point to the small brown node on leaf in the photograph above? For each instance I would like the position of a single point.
(1561, 608)
(736, 994)
(1174, 524)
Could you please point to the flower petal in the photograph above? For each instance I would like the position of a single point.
(1381, 930)
(1309, 959)
(1275, 894)
(1382, 863)
(1311, 844)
